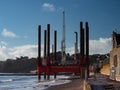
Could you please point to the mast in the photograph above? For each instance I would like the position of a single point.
(63, 46)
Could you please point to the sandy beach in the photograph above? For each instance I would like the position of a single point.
(75, 84)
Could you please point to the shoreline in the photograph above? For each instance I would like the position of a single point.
(17, 74)
(74, 84)
(101, 82)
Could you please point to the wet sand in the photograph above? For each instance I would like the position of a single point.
(75, 84)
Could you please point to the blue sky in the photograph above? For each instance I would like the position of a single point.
(19, 20)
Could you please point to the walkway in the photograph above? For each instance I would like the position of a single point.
(103, 82)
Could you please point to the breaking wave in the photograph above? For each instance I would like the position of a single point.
(4, 81)
(29, 82)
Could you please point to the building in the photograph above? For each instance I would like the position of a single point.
(115, 57)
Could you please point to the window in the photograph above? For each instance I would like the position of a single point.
(115, 60)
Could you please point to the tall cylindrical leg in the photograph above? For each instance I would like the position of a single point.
(39, 52)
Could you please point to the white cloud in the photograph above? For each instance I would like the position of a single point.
(7, 33)
(25, 50)
(3, 53)
(70, 50)
(48, 7)
(100, 46)
(3, 43)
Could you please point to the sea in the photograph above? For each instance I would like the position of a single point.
(29, 82)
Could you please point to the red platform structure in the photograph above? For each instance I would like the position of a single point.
(49, 68)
